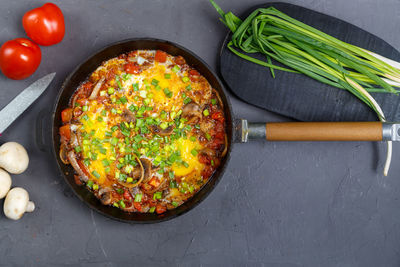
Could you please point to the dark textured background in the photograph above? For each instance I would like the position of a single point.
(278, 204)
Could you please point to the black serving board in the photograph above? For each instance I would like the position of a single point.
(298, 96)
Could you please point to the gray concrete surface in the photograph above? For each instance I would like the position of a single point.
(279, 204)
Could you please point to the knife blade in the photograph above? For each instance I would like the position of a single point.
(22, 101)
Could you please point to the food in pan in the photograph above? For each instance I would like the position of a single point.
(145, 132)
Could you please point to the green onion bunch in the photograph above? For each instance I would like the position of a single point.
(304, 49)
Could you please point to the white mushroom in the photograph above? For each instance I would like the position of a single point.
(5, 183)
(13, 158)
(17, 203)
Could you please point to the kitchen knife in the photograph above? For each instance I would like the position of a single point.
(22, 101)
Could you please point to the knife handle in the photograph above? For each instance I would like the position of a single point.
(324, 131)
(320, 131)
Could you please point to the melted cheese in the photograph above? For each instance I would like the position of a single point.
(185, 146)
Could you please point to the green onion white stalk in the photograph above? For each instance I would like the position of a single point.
(304, 49)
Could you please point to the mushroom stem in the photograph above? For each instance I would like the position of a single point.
(30, 207)
(17, 203)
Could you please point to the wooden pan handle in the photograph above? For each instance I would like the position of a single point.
(324, 131)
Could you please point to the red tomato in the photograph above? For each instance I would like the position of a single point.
(45, 24)
(160, 56)
(160, 209)
(137, 206)
(19, 58)
(66, 115)
(218, 116)
(155, 182)
(127, 195)
(132, 68)
(65, 132)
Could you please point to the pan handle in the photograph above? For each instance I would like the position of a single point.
(321, 131)
(41, 130)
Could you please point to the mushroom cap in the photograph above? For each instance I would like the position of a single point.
(5, 183)
(13, 158)
(17, 203)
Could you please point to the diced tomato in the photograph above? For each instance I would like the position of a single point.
(81, 101)
(86, 88)
(115, 195)
(194, 75)
(194, 72)
(207, 171)
(127, 195)
(77, 180)
(160, 56)
(102, 99)
(137, 206)
(160, 209)
(204, 158)
(155, 182)
(180, 60)
(66, 115)
(65, 132)
(218, 116)
(132, 68)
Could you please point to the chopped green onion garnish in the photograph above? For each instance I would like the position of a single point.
(105, 162)
(167, 92)
(185, 79)
(123, 100)
(85, 108)
(194, 152)
(176, 68)
(135, 87)
(164, 125)
(122, 204)
(96, 174)
(152, 209)
(192, 138)
(99, 118)
(86, 162)
(206, 112)
(78, 149)
(154, 82)
(167, 76)
(187, 100)
(171, 174)
(188, 87)
(110, 90)
(89, 184)
(175, 204)
(138, 197)
(214, 101)
(95, 187)
(157, 195)
(85, 117)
